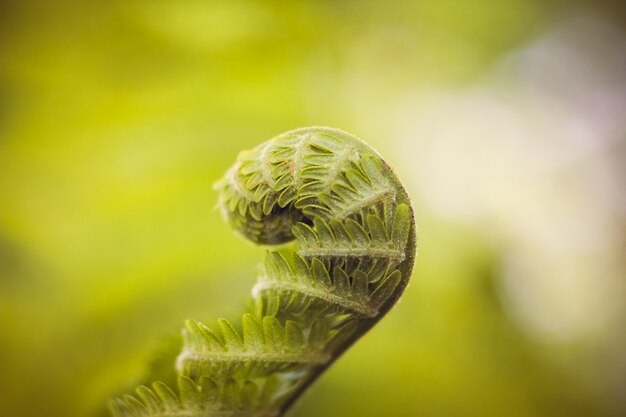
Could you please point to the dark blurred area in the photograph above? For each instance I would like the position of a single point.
(506, 121)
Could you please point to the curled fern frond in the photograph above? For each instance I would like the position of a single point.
(354, 233)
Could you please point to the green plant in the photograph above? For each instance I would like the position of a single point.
(352, 258)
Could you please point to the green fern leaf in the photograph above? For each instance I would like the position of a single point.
(354, 249)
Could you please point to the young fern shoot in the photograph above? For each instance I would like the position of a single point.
(352, 258)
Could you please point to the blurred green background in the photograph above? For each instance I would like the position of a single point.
(505, 119)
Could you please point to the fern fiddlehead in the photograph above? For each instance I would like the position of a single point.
(352, 254)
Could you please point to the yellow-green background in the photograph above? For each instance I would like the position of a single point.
(116, 117)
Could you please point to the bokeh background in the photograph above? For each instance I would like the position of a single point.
(506, 119)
